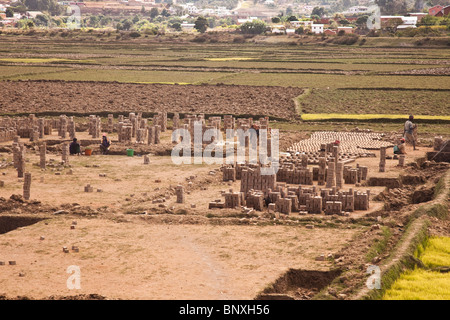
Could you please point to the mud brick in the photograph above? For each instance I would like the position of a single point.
(12, 263)
(213, 205)
(157, 134)
(180, 194)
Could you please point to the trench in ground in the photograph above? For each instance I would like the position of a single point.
(298, 284)
(9, 223)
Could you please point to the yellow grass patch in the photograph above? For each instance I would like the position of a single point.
(327, 116)
(42, 60)
(229, 59)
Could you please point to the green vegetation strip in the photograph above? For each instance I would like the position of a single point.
(423, 284)
(413, 241)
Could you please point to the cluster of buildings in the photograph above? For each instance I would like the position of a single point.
(190, 8)
(16, 16)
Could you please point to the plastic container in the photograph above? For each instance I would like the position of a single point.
(88, 152)
(130, 152)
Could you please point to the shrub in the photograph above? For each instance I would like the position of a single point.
(135, 34)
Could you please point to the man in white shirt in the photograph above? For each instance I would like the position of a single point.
(409, 132)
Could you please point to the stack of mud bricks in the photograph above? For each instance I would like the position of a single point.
(27, 186)
(71, 128)
(19, 158)
(314, 204)
(228, 122)
(232, 199)
(361, 200)
(229, 173)
(292, 175)
(339, 174)
(401, 160)
(7, 133)
(154, 134)
(88, 188)
(41, 125)
(322, 171)
(161, 120)
(65, 153)
(110, 123)
(180, 194)
(132, 121)
(62, 127)
(42, 154)
(175, 121)
(438, 143)
(284, 205)
(140, 135)
(382, 159)
(95, 126)
(331, 175)
(34, 134)
(333, 207)
(252, 179)
(124, 130)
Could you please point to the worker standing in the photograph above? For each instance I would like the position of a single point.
(410, 132)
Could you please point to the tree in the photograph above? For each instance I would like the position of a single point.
(318, 11)
(51, 6)
(135, 19)
(126, 24)
(391, 7)
(42, 20)
(165, 13)
(143, 10)
(300, 30)
(93, 21)
(253, 27)
(154, 12)
(361, 22)
(276, 20)
(289, 11)
(292, 18)
(201, 24)
(176, 26)
(9, 13)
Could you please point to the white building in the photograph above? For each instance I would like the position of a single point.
(357, 9)
(222, 11)
(297, 24)
(190, 8)
(317, 28)
(32, 14)
(186, 25)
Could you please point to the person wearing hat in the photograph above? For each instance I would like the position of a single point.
(104, 146)
(409, 131)
(400, 148)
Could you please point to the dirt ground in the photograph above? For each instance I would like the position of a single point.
(85, 97)
(133, 248)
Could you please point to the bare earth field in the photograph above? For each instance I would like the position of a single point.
(132, 248)
(85, 97)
